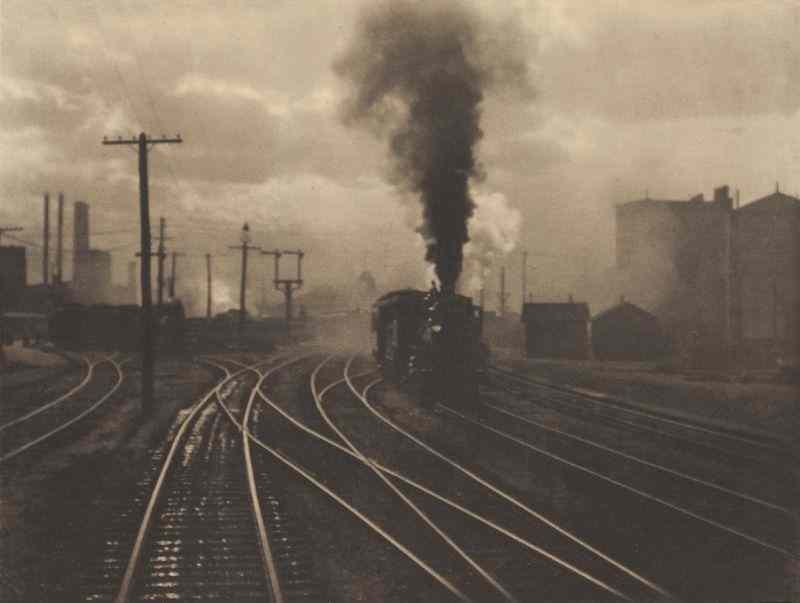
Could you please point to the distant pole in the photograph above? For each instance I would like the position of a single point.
(524, 276)
(161, 254)
(172, 276)
(288, 285)
(245, 246)
(208, 285)
(503, 295)
(148, 349)
(59, 278)
(46, 241)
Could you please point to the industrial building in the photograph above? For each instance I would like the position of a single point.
(91, 269)
(13, 276)
(676, 261)
(767, 277)
(556, 330)
(722, 279)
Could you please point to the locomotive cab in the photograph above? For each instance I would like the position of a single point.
(431, 340)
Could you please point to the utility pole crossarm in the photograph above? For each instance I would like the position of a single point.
(162, 140)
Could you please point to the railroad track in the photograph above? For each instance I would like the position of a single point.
(40, 382)
(44, 423)
(341, 479)
(198, 537)
(586, 573)
(762, 528)
(730, 443)
(459, 575)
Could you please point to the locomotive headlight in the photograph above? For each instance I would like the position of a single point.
(436, 328)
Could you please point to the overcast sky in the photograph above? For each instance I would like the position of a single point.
(674, 97)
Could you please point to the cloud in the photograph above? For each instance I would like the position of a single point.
(674, 98)
(633, 61)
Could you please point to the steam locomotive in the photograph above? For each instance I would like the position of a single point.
(431, 340)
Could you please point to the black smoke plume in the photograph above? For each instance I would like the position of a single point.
(418, 72)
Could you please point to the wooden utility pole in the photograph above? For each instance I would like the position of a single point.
(59, 277)
(46, 241)
(245, 246)
(524, 277)
(174, 255)
(208, 285)
(148, 347)
(162, 226)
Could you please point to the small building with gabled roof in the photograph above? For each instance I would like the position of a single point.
(627, 332)
(556, 330)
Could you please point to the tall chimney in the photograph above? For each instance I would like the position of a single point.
(46, 241)
(60, 241)
(80, 243)
(723, 198)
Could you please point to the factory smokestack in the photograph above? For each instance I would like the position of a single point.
(80, 245)
(46, 241)
(418, 73)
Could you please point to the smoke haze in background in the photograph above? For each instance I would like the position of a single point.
(631, 97)
(418, 73)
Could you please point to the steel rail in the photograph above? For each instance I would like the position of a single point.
(775, 446)
(40, 409)
(624, 486)
(509, 498)
(614, 420)
(36, 441)
(318, 400)
(276, 594)
(124, 593)
(343, 503)
(489, 523)
(636, 459)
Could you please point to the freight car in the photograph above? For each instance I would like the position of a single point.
(108, 327)
(432, 340)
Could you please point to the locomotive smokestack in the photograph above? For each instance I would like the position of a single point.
(418, 73)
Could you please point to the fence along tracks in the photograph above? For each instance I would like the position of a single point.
(18, 425)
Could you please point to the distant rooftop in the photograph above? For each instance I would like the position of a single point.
(695, 202)
(776, 201)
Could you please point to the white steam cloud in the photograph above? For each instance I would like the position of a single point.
(494, 232)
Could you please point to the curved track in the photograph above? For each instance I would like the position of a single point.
(756, 522)
(322, 487)
(51, 419)
(509, 536)
(625, 578)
